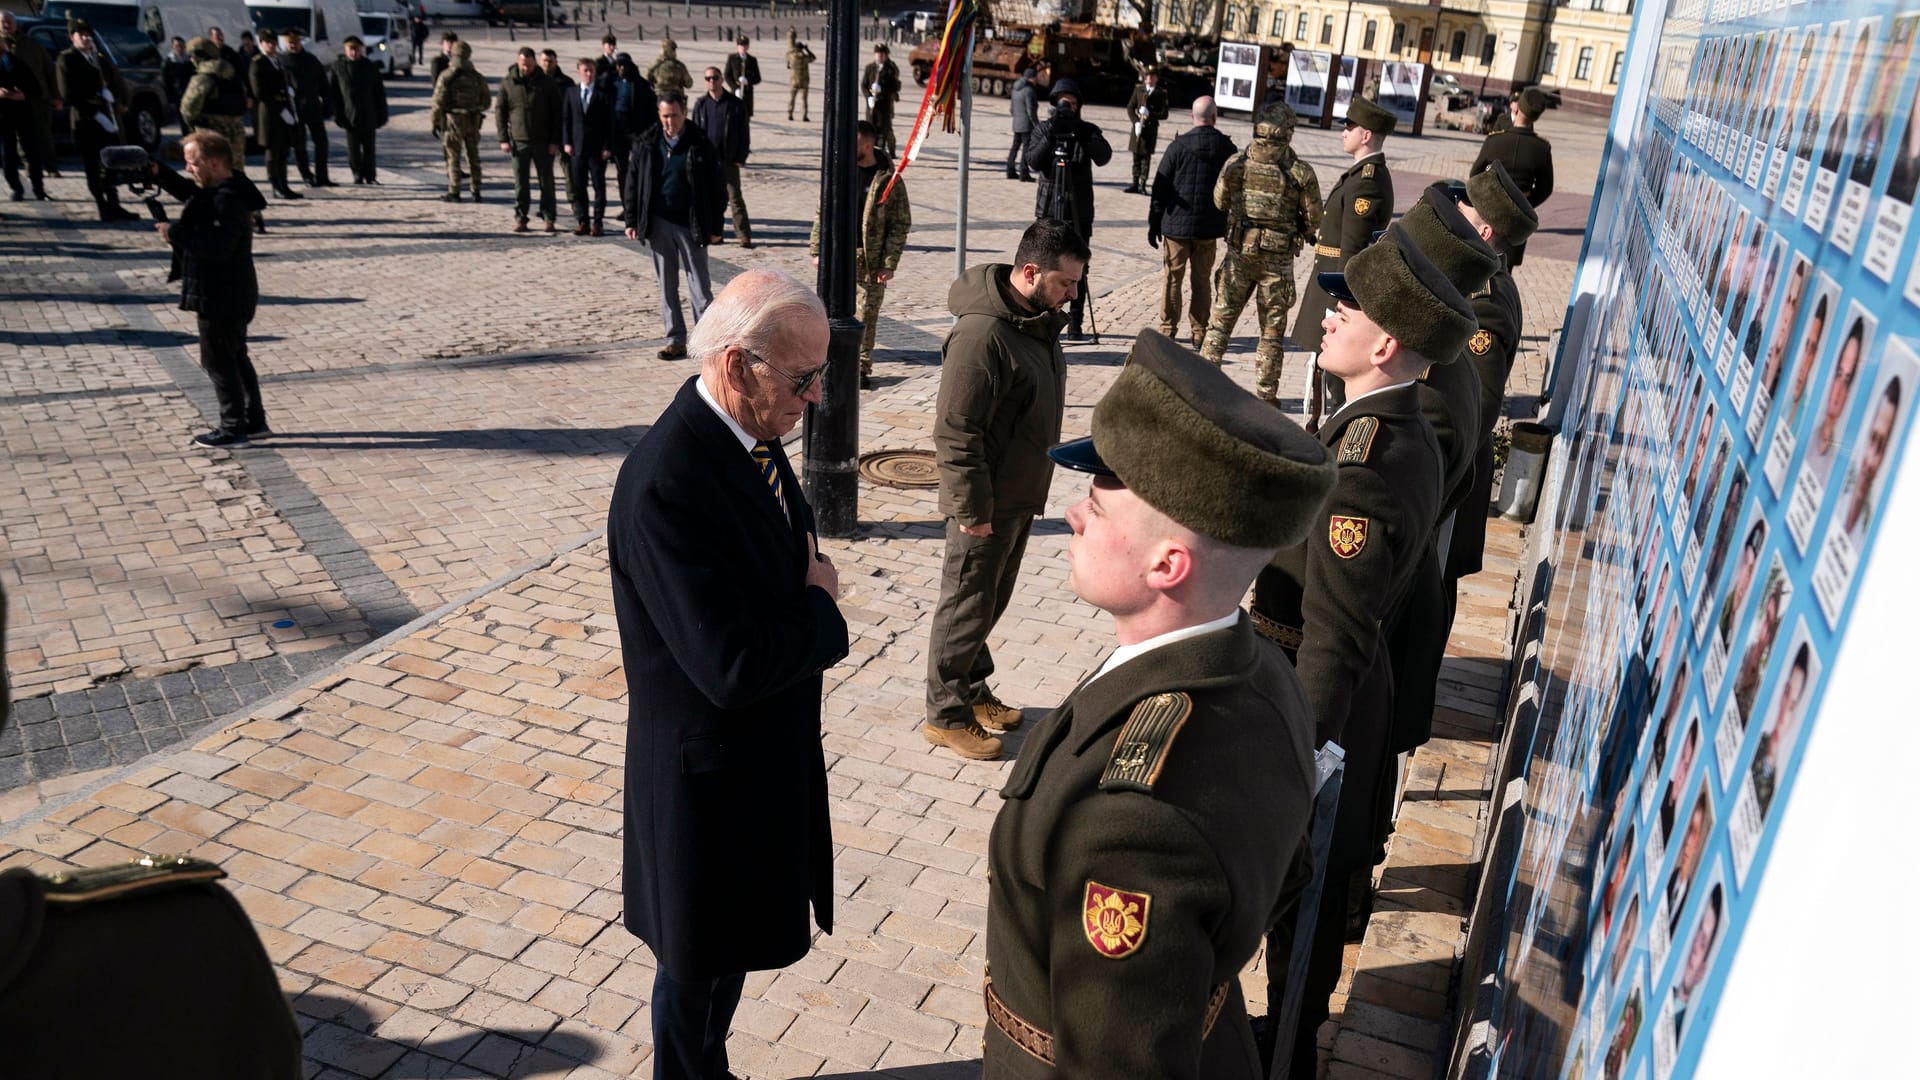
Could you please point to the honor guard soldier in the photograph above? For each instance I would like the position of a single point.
(1145, 109)
(1272, 200)
(1450, 400)
(1155, 826)
(1527, 156)
(1359, 205)
(1494, 204)
(1331, 601)
(881, 82)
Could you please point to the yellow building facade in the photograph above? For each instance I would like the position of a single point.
(1577, 48)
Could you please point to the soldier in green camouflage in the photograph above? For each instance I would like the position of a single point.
(214, 101)
(884, 224)
(460, 102)
(799, 65)
(667, 72)
(1272, 200)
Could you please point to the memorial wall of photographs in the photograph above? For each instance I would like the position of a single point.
(1744, 397)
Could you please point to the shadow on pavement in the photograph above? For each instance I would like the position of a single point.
(580, 441)
(343, 1039)
(151, 339)
(942, 1070)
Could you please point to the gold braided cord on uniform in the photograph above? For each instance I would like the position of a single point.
(1039, 1043)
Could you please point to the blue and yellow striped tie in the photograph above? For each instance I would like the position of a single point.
(769, 471)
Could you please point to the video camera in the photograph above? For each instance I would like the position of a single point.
(129, 166)
(1064, 123)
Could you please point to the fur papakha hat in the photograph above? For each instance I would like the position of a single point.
(1364, 112)
(1532, 102)
(1408, 297)
(1201, 450)
(1448, 240)
(1501, 204)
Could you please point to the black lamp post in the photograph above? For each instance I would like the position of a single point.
(833, 427)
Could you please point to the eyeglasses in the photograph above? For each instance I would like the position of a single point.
(711, 78)
(800, 382)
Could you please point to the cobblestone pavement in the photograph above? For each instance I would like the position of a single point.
(415, 783)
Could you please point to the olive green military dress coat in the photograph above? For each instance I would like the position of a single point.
(1154, 829)
(1344, 588)
(1491, 349)
(1359, 204)
(1529, 160)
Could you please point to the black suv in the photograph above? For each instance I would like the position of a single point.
(148, 112)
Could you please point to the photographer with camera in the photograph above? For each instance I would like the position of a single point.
(1063, 150)
(213, 262)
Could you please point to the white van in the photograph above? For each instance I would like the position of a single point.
(159, 19)
(388, 36)
(326, 22)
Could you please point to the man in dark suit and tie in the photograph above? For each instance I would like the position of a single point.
(586, 133)
(727, 618)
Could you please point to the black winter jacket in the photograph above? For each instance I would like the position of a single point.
(703, 176)
(1092, 151)
(213, 245)
(724, 122)
(1183, 186)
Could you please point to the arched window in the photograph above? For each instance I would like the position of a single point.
(1458, 46)
(1373, 31)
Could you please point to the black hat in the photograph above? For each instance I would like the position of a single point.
(881, 46)
(1501, 204)
(742, 40)
(1532, 102)
(79, 26)
(1364, 113)
(293, 33)
(1063, 87)
(1198, 448)
(352, 39)
(1408, 297)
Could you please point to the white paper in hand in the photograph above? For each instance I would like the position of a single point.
(286, 115)
(106, 122)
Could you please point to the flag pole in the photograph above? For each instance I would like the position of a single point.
(966, 149)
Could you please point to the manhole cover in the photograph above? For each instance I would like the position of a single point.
(901, 468)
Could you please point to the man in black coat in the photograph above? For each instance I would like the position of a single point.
(672, 204)
(723, 117)
(728, 616)
(307, 77)
(18, 92)
(213, 261)
(176, 71)
(1528, 157)
(586, 132)
(273, 115)
(96, 98)
(1183, 215)
(1064, 149)
(358, 101)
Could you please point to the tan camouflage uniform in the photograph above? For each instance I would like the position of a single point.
(883, 239)
(1272, 200)
(667, 72)
(460, 102)
(799, 64)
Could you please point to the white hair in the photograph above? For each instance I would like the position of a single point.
(752, 311)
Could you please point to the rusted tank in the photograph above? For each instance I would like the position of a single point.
(1104, 60)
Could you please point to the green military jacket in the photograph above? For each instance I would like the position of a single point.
(799, 62)
(1271, 197)
(1339, 587)
(886, 76)
(884, 225)
(1153, 831)
(203, 92)
(1492, 349)
(462, 90)
(668, 73)
(1359, 204)
(80, 84)
(527, 109)
(1145, 132)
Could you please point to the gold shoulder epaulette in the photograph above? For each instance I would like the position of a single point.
(145, 874)
(1141, 749)
(1367, 170)
(1358, 441)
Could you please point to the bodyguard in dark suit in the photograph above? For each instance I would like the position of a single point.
(1358, 205)
(727, 618)
(1334, 600)
(586, 133)
(1155, 827)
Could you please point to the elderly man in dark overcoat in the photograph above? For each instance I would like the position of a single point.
(728, 615)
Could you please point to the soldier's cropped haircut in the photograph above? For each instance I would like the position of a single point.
(1046, 242)
(213, 145)
(673, 97)
(550, 52)
(527, 51)
(448, 35)
(609, 39)
(866, 128)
